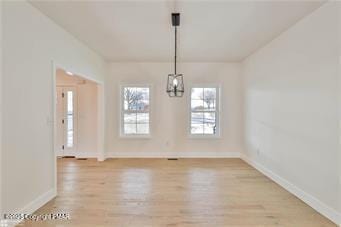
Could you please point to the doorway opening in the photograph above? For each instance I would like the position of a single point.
(76, 112)
(78, 117)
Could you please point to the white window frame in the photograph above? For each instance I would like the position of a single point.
(121, 114)
(217, 135)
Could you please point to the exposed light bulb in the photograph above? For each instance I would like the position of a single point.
(175, 82)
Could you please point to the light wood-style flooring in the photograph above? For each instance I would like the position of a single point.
(161, 192)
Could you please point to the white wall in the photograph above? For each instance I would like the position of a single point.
(1, 75)
(87, 141)
(291, 103)
(339, 100)
(31, 41)
(170, 116)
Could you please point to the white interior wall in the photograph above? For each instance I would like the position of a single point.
(290, 104)
(31, 42)
(339, 104)
(1, 90)
(291, 99)
(87, 141)
(170, 116)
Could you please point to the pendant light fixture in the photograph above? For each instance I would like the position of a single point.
(175, 82)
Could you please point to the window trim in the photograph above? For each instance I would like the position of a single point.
(121, 112)
(218, 112)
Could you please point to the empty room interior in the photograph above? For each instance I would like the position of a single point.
(170, 113)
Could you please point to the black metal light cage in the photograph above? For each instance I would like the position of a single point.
(178, 89)
(175, 82)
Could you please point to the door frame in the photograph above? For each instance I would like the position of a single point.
(100, 115)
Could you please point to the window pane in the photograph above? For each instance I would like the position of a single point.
(197, 129)
(143, 92)
(197, 118)
(130, 128)
(210, 93)
(209, 128)
(136, 110)
(142, 105)
(197, 93)
(131, 98)
(69, 102)
(69, 119)
(204, 107)
(142, 117)
(125, 105)
(197, 104)
(209, 118)
(69, 125)
(209, 98)
(210, 104)
(130, 118)
(142, 128)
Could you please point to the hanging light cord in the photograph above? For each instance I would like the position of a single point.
(175, 51)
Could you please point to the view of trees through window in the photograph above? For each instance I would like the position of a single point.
(136, 110)
(204, 111)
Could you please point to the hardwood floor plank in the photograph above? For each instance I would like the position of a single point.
(159, 192)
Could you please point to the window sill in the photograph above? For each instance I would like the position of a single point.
(136, 136)
(191, 136)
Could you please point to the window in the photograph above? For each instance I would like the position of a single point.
(135, 110)
(204, 111)
(69, 118)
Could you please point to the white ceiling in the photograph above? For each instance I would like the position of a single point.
(209, 31)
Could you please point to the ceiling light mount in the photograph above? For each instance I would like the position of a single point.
(175, 19)
(175, 82)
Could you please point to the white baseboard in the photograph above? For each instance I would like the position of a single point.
(316, 204)
(80, 154)
(86, 155)
(39, 202)
(31, 207)
(172, 155)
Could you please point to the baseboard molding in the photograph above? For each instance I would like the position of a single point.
(172, 155)
(81, 154)
(31, 207)
(313, 202)
(86, 155)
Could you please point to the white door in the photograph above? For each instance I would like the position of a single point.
(66, 121)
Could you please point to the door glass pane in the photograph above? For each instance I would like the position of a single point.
(69, 119)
